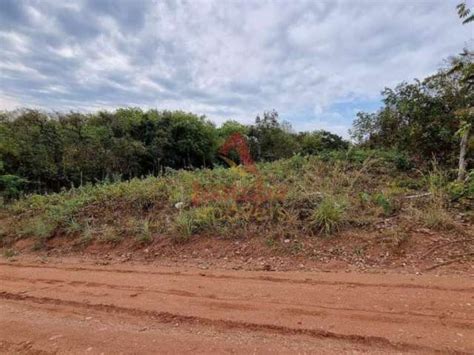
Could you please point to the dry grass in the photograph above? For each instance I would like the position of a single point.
(283, 199)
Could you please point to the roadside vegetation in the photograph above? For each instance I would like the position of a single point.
(316, 196)
(139, 175)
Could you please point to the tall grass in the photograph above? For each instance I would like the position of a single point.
(300, 195)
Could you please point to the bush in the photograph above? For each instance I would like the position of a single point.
(11, 186)
(195, 221)
(459, 190)
(382, 201)
(329, 215)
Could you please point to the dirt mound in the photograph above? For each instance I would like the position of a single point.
(418, 251)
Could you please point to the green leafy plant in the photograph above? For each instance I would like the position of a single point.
(195, 220)
(384, 202)
(328, 217)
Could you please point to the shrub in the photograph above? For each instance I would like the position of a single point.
(11, 186)
(459, 190)
(329, 215)
(195, 221)
(144, 235)
(382, 201)
(41, 228)
(436, 217)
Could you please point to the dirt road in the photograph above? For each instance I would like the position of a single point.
(71, 308)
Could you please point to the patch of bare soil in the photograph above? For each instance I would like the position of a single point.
(73, 306)
(417, 251)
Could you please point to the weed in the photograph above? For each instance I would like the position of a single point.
(110, 235)
(384, 202)
(194, 221)
(270, 242)
(144, 235)
(86, 237)
(73, 227)
(38, 227)
(9, 253)
(296, 247)
(437, 181)
(329, 215)
(286, 198)
(359, 250)
(436, 217)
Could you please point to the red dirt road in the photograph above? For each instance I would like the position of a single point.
(71, 308)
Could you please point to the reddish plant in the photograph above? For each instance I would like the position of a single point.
(257, 194)
(237, 142)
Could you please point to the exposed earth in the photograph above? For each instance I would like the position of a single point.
(77, 305)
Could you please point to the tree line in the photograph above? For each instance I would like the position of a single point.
(41, 152)
(428, 119)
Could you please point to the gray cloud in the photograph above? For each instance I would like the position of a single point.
(310, 60)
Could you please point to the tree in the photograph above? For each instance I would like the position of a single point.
(465, 13)
(271, 140)
(318, 141)
(464, 65)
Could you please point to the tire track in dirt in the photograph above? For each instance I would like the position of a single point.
(306, 281)
(165, 317)
(376, 311)
(370, 314)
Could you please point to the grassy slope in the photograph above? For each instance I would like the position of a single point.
(306, 196)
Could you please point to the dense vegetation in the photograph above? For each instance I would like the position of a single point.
(424, 118)
(41, 153)
(290, 198)
(159, 175)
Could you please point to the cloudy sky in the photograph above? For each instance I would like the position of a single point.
(316, 62)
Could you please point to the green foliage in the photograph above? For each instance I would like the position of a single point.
(421, 118)
(38, 227)
(195, 221)
(11, 186)
(42, 152)
(328, 217)
(384, 202)
(144, 235)
(462, 190)
(319, 141)
(465, 13)
(271, 140)
(281, 199)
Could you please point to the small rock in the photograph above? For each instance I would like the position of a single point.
(179, 205)
(425, 231)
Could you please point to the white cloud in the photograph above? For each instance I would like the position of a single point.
(225, 59)
(8, 103)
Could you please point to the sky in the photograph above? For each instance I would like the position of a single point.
(316, 62)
